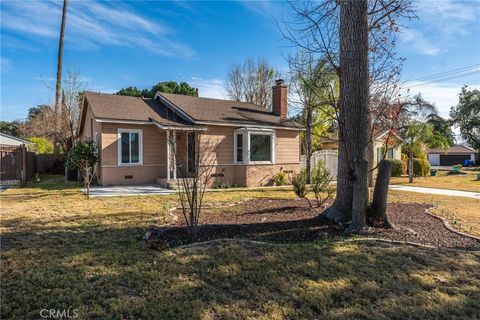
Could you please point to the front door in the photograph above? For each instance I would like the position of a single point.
(191, 146)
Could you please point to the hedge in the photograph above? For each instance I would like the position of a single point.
(417, 167)
(396, 167)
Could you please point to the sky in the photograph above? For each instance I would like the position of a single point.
(139, 43)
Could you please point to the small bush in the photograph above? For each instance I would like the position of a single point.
(396, 167)
(280, 178)
(299, 183)
(421, 167)
(321, 179)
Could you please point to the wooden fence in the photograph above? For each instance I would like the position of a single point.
(16, 165)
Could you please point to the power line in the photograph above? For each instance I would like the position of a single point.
(444, 76)
(447, 73)
(420, 83)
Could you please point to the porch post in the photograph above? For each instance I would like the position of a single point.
(174, 154)
(168, 154)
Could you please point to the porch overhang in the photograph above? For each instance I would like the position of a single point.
(180, 127)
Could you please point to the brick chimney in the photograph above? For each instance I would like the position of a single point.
(279, 98)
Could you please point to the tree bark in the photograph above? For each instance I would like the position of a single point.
(370, 153)
(353, 105)
(378, 211)
(410, 167)
(360, 197)
(59, 77)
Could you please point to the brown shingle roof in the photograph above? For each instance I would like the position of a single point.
(226, 111)
(110, 106)
(455, 149)
(117, 107)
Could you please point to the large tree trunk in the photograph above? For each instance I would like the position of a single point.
(360, 197)
(370, 152)
(378, 210)
(410, 167)
(308, 143)
(59, 79)
(353, 105)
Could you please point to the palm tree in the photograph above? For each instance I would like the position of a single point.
(418, 137)
(59, 76)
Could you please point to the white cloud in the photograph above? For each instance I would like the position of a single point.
(419, 42)
(209, 88)
(92, 24)
(441, 24)
(444, 96)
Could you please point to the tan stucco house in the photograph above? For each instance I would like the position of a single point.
(144, 141)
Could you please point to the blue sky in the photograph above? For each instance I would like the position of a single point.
(118, 44)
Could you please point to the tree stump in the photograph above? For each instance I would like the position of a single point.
(378, 210)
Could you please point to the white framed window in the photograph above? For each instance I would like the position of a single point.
(130, 147)
(391, 153)
(254, 146)
(239, 148)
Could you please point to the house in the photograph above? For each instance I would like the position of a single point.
(8, 140)
(456, 154)
(143, 141)
(381, 138)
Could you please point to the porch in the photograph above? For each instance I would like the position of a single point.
(181, 148)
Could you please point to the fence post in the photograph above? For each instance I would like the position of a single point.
(23, 157)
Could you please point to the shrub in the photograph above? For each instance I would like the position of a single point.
(397, 167)
(421, 167)
(280, 178)
(299, 183)
(321, 179)
(456, 169)
(83, 156)
(40, 145)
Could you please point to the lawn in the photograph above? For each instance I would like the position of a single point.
(465, 182)
(61, 251)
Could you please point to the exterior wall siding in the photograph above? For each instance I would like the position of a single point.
(217, 140)
(154, 156)
(93, 130)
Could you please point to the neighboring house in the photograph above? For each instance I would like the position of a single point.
(251, 143)
(456, 154)
(381, 139)
(8, 140)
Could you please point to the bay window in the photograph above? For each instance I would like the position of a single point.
(260, 147)
(130, 147)
(254, 146)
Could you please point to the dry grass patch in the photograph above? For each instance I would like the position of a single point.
(62, 251)
(464, 182)
(462, 213)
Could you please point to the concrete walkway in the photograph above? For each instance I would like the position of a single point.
(443, 192)
(119, 191)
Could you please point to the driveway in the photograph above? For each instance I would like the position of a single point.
(120, 191)
(444, 192)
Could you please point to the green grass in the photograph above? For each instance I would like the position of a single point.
(61, 251)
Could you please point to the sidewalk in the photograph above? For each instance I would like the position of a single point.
(443, 192)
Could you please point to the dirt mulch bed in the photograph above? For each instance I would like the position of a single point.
(292, 220)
